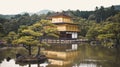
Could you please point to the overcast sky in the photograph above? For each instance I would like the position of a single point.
(18, 6)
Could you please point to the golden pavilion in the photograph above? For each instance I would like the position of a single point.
(65, 26)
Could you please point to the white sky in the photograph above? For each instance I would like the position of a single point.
(18, 6)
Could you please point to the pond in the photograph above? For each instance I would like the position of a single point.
(66, 55)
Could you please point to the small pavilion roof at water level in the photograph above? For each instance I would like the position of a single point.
(65, 26)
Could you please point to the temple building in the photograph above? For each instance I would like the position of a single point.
(65, 26)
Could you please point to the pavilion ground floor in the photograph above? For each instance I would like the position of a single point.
(68, 35)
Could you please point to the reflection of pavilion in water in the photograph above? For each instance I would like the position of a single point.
(61, 55)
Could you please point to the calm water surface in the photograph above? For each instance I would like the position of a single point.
(67, 56)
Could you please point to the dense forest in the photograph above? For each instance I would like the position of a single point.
(102, 24)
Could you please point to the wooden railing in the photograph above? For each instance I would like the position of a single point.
(65, 41)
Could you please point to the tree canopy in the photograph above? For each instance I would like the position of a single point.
(34, 34)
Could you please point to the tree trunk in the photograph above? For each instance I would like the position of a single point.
(38, 50)
(39, 47)
(117, 40)
(38, 65)
(29, 49)
(117, 57)
(29, 65)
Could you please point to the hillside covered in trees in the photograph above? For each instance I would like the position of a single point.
(102, 24)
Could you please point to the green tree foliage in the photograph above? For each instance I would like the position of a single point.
(34, 34)
(101, 14)
(1, 31)
(10, 37)
(15, 22)
(91, 17)
(115, 18)
(93, 31)
(10, 26)
(108, 32)
(84, 26)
